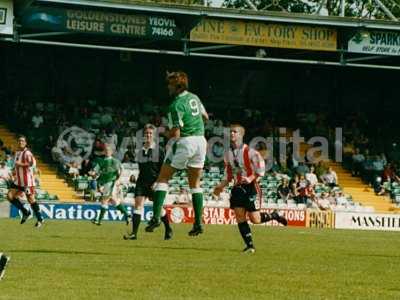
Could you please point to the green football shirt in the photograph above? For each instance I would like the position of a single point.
(186, 113)
(108, 169)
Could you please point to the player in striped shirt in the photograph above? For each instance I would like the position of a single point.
(244, 167)
(24, 182)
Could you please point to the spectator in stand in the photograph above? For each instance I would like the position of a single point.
(379, 189)
(294, 187)
(284, 190)
(129, 156)
(389, 175)
(378, 165)
(357, 162)
(86, 167)
(10, 163)
(311, 177)
(304, 190)
(36, 175)
(323, 202)
(320, 170)
(37, 120)
(330, 178)
(5, 174)
(348, 152)
(73, 169)
(291, 162)
(218, 128)
(183, 197)
(367, 168)
(383, 159)
(98, 147)
(340, 197)
(111, 138)
(302, 169)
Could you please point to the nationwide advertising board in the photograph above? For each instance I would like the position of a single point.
(177, 214)
(73, 211)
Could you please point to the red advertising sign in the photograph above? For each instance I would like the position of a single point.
(223, 215)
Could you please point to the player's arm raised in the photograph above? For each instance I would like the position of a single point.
(204, 112)
(175, 121)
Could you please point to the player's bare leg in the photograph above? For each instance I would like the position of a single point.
(194, 177)
(12, 197)
(160, 192)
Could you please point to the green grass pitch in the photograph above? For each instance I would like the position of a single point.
(78, 260)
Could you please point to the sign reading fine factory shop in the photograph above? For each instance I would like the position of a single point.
(375, 42)
(262, 34)
(101, 22)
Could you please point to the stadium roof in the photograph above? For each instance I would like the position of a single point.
(243, 14)
(190, 15)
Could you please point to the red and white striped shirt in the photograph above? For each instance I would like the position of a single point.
(24, 175)
(243, 162)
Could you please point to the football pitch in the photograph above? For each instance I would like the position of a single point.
(78, 260)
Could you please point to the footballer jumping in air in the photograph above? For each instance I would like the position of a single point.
(150, 159)
(24, 182)
(244, 166)
(108, 170)
(188, 151)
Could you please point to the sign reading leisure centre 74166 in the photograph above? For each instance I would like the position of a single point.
(375, 42)
(101, 22)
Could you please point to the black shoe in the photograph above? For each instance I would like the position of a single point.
(196, 230)
(249, 250)
(168, 234)
(130, 236)
(275, 216)
(95, 222)
(25, 217)
(3, 264)
(39, 223)
(153, 224)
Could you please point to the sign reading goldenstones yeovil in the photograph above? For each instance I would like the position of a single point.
(102, 22)
(375, 42)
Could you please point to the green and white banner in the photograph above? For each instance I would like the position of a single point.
(375, 42)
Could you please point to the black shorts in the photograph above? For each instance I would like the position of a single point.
(143, 189)
(28, 190)
(246, 196)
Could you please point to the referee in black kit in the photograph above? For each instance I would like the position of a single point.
(150, 161)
